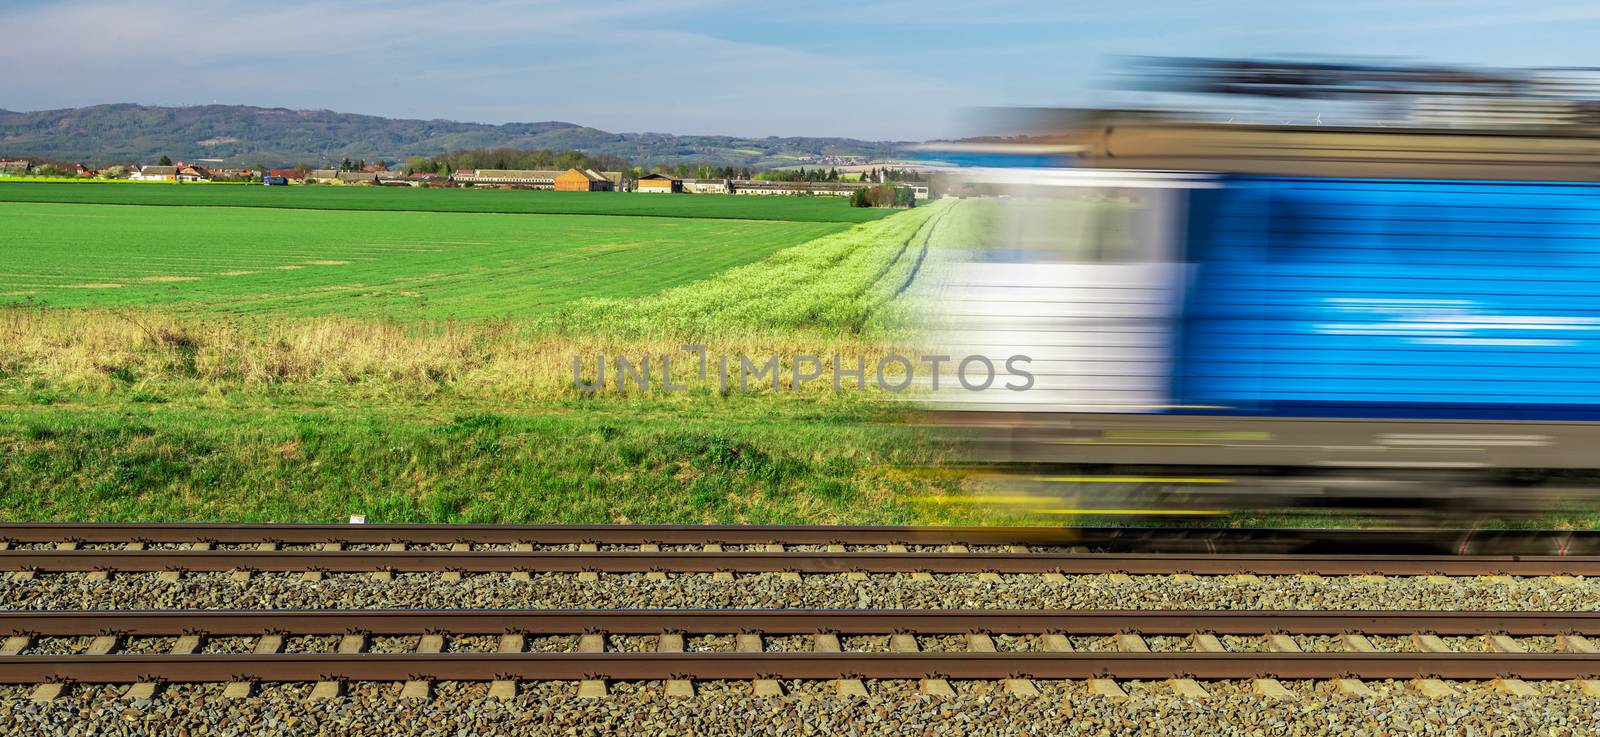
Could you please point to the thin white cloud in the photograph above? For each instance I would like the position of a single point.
(756, 89)
(197, 29)
(598, 64)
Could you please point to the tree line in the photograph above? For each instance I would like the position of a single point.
(695, 171)
(883, 195)
(821, 174)
(801, 174)
(513, 158)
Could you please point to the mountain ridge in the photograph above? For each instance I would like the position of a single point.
(249, 135)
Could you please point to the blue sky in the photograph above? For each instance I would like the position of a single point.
(890, 69)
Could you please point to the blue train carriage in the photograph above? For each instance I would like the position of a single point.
(1184, 319)
(1392, 299)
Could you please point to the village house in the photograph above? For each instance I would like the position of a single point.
(292, 176)
(155, 174)
(587, 180)
(657, 183)
(187, 173)
(15, 166)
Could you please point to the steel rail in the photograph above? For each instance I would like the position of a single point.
(15, 669)
(392, 622)
(498, 561)
(540, 534)
(1111, 539)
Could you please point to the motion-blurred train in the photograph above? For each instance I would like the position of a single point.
(1227, 317)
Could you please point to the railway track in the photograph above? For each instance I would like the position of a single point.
(616, 562)
(843, 646)
(850, 652)
(246, 549)
(1099, 539)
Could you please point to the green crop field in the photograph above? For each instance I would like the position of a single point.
(322, 197)
(265, 363)
(395, 264)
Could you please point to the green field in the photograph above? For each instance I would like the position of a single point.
(216, 384)
(323, 197)
(397, 264)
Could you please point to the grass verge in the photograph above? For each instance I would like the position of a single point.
(299, 458)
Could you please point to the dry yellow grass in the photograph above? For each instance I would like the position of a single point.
(103, 350)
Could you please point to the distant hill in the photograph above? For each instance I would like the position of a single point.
(239, 134)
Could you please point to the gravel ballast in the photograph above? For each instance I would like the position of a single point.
(807, 708)
(1064, 708)
(770, 590)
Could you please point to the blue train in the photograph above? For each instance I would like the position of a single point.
(1393, 298)
(1375, 340)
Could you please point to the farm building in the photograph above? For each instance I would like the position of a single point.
(334, 176)
(585, 180)
(289, 175)
(155, 174)
(706, 186)
(830, 189)
(425, 179)
(514, 178)
(658, 183)
(523, 178)
(15, 166)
